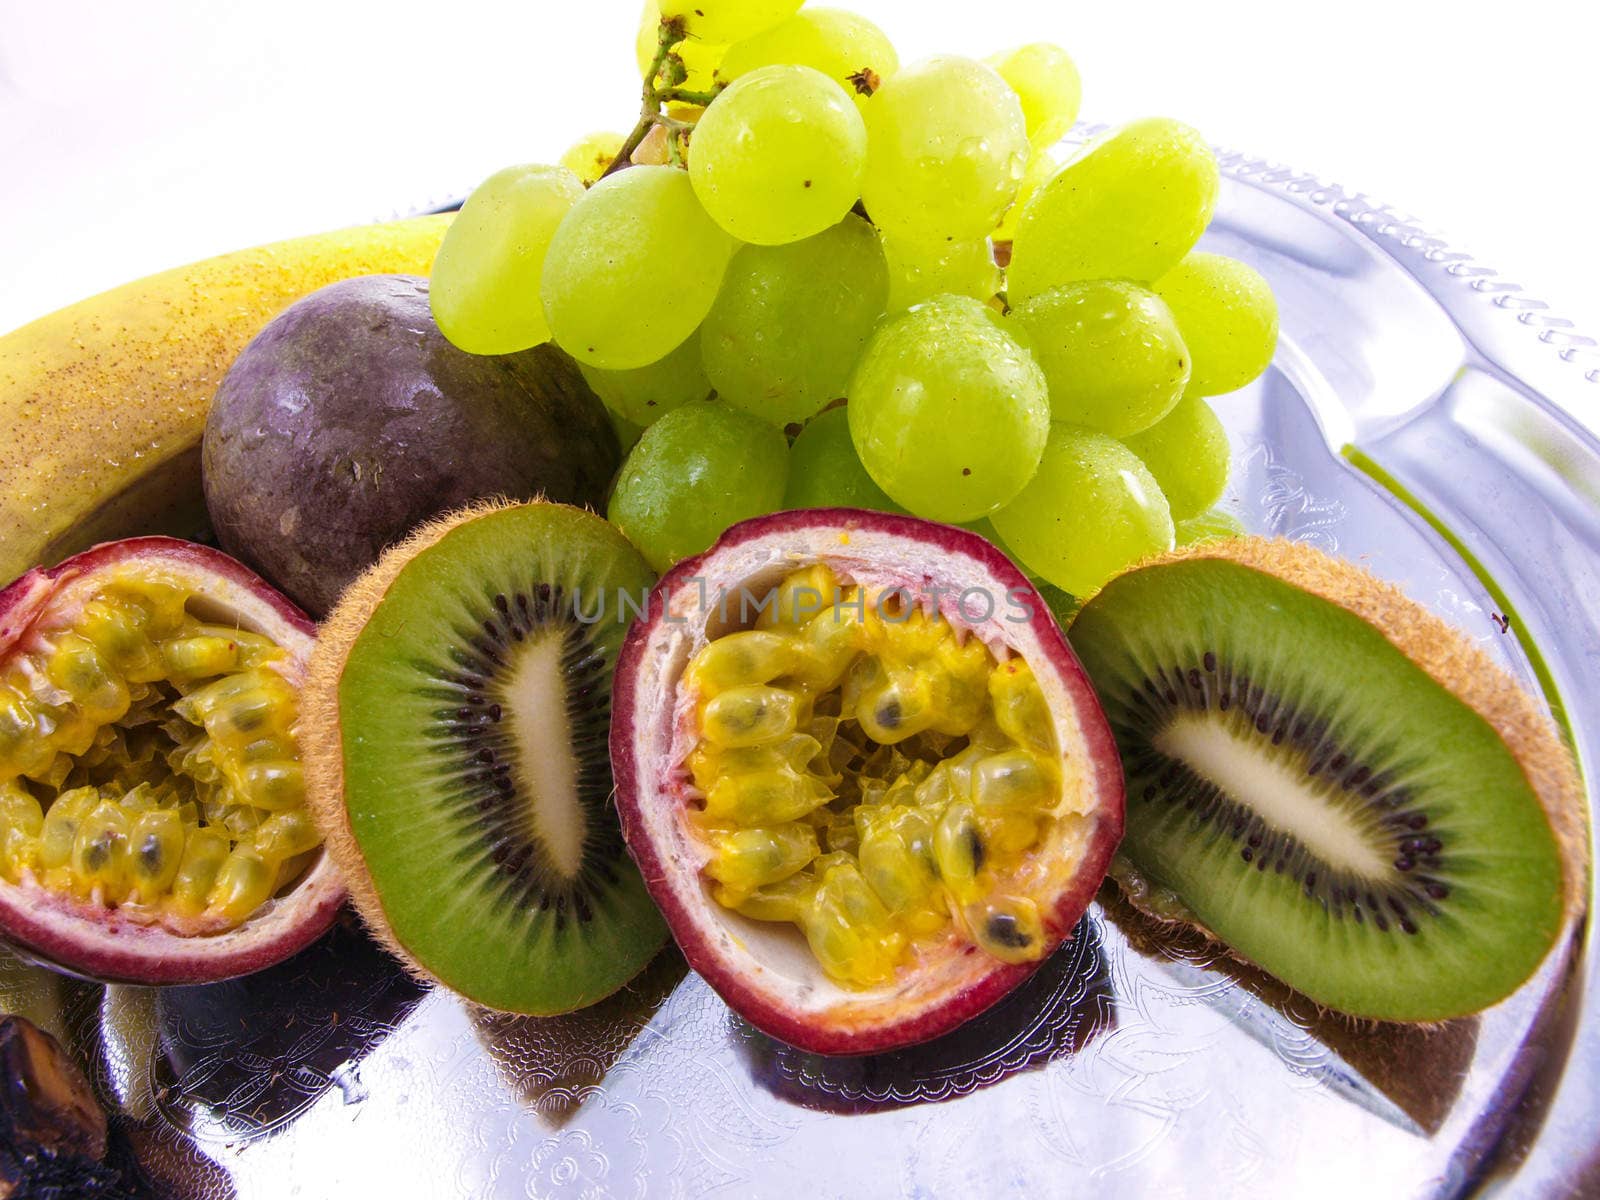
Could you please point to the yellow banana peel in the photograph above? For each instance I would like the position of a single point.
(103, 403)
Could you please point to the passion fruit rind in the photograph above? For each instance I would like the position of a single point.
(765, 969)
(145, 943)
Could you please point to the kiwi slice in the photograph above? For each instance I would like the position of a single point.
(1333, 782)
(455, 734)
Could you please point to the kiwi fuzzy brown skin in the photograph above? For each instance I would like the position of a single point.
(1451, 661)
(100, 944)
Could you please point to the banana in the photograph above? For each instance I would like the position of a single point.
(103, 402)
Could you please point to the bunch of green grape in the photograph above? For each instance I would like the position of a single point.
(813, 276)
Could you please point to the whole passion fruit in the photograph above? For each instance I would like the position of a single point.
(863, 774)
(350, 420)
(153, 826)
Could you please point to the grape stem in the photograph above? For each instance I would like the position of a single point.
(679, 95)
(668, 36)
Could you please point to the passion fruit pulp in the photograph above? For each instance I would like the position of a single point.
(153, 826)
(863, 775)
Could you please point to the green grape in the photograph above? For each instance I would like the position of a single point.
(1041, 166)
(1092, 511)
(695, 472)
(948, 412)
(1111, 352)
(920, 271)
(643, 395)
(1213, 525)
(825, 471)
(1129, 207)
(699, 58)
(484, 289)
(779, 155)
(1228, 317)
(1046, 81)
(1187, 452)
(633, 269)
(948, 145)
(589, 156)
(840, 44)
(791, 321)
(729, 20)
(628, 434)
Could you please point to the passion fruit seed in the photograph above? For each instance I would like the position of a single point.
(1008, 927)
(851, 932)
(749, 716)
(745, 859)
(148, 761)
(871, 776)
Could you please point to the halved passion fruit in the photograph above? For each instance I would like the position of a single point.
(153, 826)
(864, 776)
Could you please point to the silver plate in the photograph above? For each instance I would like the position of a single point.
(1423, 417)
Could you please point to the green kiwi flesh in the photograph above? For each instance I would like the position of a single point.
(458, 720)
(1333, 783)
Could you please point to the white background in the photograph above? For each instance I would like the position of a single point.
(137, 135)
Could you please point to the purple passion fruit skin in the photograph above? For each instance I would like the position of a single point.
(350, 420)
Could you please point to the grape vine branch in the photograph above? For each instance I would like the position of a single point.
(666, 64)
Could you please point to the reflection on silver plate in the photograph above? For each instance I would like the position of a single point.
(1424, 418)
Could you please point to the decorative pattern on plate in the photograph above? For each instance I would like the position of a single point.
(1290, 510)
(235, 1061)
(1057, 1012)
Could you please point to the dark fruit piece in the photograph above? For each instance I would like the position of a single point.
(153, 826)
(47, 1106)
(1332, 781)
(862, 774)
(350, 419)
(459, 704)
(54, 1138)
